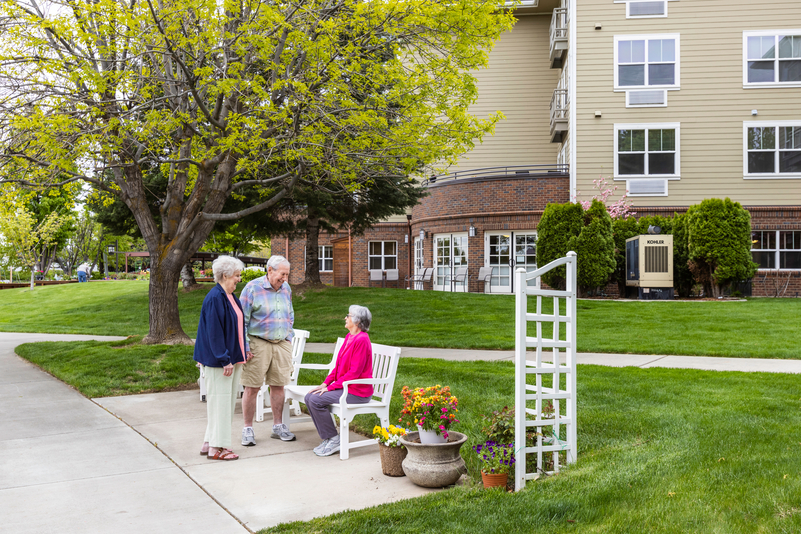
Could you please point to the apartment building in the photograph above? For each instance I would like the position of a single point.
(673, 101)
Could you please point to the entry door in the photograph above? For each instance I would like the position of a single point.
(450, 253)
(507, 250)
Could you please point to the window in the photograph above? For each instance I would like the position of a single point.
(772, 248)
(772, 58)
(647, 150)
(325, 257)
(645, 8)
(772, 150)
(643, 61)
(382, 255)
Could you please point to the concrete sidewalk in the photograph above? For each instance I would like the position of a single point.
(131, 464)
(643, 361)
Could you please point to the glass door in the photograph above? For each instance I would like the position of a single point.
(499, 258)
(507, 250)
(450, 253)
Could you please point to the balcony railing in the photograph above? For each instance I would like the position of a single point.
(560, 114)
(560, 23)
(513, 171)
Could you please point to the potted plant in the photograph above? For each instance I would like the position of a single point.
(496, 460)
(433, 459)
(391, 449)
(432, 410)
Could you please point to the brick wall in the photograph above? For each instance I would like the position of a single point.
(381, 232)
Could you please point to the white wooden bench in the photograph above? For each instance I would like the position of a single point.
(385, 367)
(263, 397)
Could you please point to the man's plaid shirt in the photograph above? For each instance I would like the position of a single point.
(268, 313)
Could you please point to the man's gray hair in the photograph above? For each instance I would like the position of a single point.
(361, 317)
(226, 266)
(276, 261)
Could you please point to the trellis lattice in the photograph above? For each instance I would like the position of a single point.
(545, 386)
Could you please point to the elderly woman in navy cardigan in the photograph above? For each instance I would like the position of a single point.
(220, 348)
(355, 360)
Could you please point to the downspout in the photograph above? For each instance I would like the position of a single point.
(410, 272)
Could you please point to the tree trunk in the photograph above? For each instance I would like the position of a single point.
(165, 322)
(312, 263)
(32, 278)
(188, 277)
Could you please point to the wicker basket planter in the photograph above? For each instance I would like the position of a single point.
(392, 460)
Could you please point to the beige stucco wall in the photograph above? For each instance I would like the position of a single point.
(711, 105)
(519, 83)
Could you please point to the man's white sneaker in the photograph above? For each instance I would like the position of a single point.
(282, 432)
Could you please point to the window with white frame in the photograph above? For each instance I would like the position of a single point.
(325, 258)
(772, 150)
(772, 58)
(646, 61)
(771, 249)
(647, 150)
(382, 255)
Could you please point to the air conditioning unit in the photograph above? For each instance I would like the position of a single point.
(649, 266)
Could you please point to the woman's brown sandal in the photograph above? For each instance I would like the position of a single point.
(223, 454)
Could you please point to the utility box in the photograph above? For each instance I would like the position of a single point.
(649, 266)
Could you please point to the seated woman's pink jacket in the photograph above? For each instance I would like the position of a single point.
(355, 360)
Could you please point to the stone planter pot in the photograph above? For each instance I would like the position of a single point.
(434, 465)
(392, 459)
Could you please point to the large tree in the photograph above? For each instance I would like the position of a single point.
(223, 96)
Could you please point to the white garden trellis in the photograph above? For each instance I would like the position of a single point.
(529, 398)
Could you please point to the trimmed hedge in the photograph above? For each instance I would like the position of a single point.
(719, 244)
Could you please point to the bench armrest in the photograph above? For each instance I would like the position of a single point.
(373, 381)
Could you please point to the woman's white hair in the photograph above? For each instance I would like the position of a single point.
(361, 317)
(225, 267)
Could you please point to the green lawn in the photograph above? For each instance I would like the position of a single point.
(660, 450)
(764, 328)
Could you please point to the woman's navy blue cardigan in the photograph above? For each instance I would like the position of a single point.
(217, 342)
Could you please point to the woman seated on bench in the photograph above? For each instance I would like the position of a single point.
(355, 360)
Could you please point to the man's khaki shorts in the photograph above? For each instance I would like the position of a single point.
(271, 363)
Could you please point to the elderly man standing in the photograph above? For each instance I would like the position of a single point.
(267, 305)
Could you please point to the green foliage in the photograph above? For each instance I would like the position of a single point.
(251, 274)
(719, 243)
(682, 276)
(559, 223)
(500, 426)
(595, 247)
(622, 229)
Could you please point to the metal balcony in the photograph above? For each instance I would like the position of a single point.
(559, 37)
(560, 115)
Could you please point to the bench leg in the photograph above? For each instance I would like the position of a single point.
(260, 405)
(344, 438)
